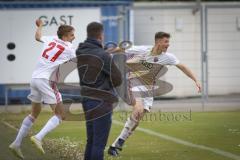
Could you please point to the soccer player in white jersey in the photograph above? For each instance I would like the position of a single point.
(56, 50)
(152, 54)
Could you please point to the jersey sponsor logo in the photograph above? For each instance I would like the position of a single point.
(146, 64)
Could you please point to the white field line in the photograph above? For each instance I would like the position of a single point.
(14, 128)
(169, 138)
(9, 125)
(186, 143)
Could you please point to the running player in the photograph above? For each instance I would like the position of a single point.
(156, 54)
(56, 50)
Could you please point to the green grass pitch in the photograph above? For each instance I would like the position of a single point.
(217, 130)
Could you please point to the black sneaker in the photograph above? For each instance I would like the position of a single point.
(113, 151)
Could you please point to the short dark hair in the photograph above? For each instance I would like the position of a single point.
(63, 30)
(94, 29)
(160, 35)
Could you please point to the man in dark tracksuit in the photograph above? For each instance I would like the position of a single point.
(98, 76)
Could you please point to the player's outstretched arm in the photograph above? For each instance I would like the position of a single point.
(190, 74)
(115, 50)
(38, 33)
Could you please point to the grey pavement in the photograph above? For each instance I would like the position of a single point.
(196, 104)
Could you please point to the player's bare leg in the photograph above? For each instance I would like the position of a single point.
(52, 123)
(24, 129)
(130, 126)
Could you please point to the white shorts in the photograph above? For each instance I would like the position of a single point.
(43, 90)
(147, 103)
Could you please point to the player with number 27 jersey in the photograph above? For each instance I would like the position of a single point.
(55, 52)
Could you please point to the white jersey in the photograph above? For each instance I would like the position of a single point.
(138, 53)
(144, 53)
(55, 52)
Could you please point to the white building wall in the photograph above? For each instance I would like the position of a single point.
(223, 44)
(184, 43)
(19, 27)
(224, 50)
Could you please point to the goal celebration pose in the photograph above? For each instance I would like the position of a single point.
(156, 54)
(56, 50)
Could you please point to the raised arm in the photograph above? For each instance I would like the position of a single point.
(38, 33)
(114, 50)
(190, 74)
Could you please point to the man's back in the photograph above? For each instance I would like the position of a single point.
(97, 68)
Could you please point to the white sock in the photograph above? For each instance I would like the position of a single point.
(129, 127)
(50, 125)
(23, 131)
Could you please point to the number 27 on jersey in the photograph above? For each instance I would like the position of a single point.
(53, 45)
